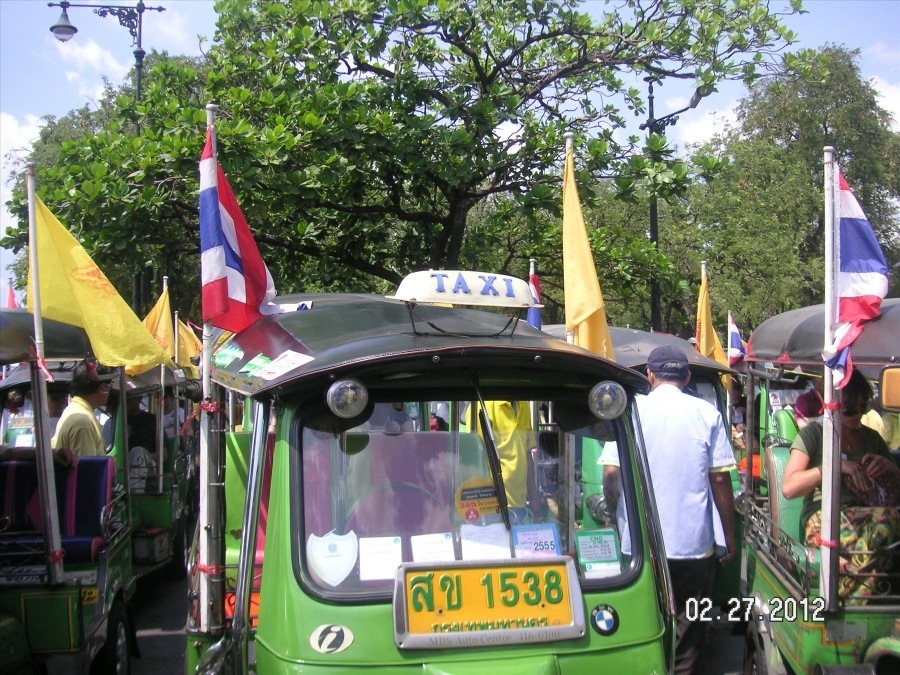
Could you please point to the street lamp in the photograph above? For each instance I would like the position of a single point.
(132, 19)
(658, 126)
(129, 17)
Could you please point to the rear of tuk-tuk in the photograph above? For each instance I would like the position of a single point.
(378, 535)
(791, 627)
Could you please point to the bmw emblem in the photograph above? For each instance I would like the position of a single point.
(604, 619)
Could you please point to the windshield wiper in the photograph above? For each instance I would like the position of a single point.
(493, 454)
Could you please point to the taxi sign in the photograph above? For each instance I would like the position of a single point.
(487, 603)
(456, 287)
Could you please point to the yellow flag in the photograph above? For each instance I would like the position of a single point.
(159, 322)
(585, 310)
(707, 341)
(189, 344)
(75, 291)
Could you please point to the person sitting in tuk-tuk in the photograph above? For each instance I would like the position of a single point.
(870, 488)
(78, 432)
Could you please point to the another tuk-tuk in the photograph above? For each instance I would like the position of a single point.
(65, 547)
(632, 347)
(792, 630)
(366, 519)
(161, 469)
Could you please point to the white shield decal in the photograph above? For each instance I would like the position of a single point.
(332, 557)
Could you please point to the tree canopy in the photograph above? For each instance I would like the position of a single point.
(360, 136)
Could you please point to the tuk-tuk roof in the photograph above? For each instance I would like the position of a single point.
(62, 341)
(371, 332)
(633, 346)
(797, 337)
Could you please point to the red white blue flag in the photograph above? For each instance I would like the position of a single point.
(237, 288)
(736, 348)
(534, 313)
(862, 281)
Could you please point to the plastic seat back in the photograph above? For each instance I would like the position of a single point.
(785, 512)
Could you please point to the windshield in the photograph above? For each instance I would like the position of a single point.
(417, 483)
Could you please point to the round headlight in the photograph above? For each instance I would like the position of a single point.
(347, 398)
(607, 400)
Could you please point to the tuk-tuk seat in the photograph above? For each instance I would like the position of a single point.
(785, 512)
(785, 426)
(83, 492)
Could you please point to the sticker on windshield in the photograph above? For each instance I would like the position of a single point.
(598, 553)
(331, 639)
(477, 498)
(331, 558)
(536, 541)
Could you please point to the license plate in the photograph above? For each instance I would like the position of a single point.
(464, 604)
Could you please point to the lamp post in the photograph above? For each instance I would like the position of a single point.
(658, 126)
(131, 18)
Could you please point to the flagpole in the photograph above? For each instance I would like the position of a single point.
(831, 474)
(177, 336)
(570, 145)
(211, 592)
(161, 411)
(44, 453)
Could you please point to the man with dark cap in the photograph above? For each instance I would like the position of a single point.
(690, 461)
(78, 430)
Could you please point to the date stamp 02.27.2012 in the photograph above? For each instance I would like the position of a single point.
(744, 610)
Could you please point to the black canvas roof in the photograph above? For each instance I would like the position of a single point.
(344, 333)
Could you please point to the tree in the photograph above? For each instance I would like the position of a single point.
(760, 223)
(359, 136)
(833, 105)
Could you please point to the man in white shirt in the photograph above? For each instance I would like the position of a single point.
(690, 463)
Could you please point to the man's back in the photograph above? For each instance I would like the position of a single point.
(685, 439)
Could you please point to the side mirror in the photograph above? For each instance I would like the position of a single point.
(889, 389)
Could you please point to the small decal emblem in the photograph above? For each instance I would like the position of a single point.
(604, 619)
(331, 639)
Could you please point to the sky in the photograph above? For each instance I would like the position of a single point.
(41, 76)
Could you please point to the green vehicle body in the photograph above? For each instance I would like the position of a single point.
(270, 619)
(790, 632)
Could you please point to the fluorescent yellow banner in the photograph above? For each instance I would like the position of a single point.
(75, 291)
(189, 344)
(707, 341)
(585, 310)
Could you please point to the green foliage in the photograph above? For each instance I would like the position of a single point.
(759, 223)
(365, 139)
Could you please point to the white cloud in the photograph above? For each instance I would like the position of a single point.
(88, 56)
(15, 139)
(701, 124)
(884, 53)
(888, 98)
(176, 32)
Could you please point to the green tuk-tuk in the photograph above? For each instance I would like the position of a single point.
(369, 518)
(65, 547)
(632, 348)
(794, 628)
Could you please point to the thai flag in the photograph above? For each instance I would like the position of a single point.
(862, 281)
(237, 288)
(534, 313)
(736, 348)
